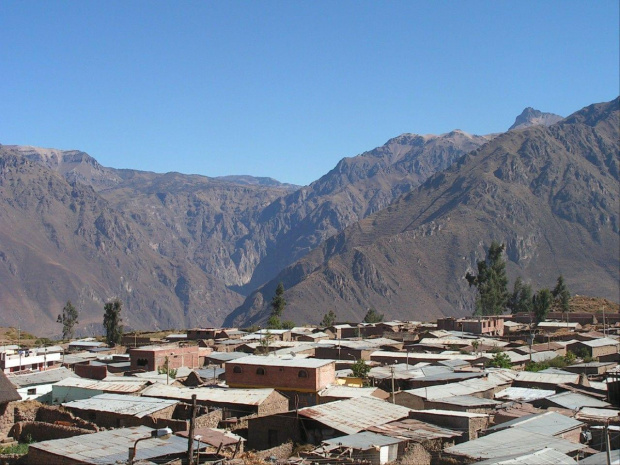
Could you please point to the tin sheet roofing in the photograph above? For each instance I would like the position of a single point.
(548, 378)
(414, 430)
(520, 394)
(210, 394)
(574, 400)
(111, 446)
(279, 362)
(602, 342)
(122, 404)
(541, 457)
(549, 423)
(354, 415)
(347, 392)
(362, 441)
(511, 441)
(468, 401)
(452, 413)
(106, 386)
(592, 413)
(42, 377)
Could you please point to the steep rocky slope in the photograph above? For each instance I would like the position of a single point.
(550, 193)
(61, 240)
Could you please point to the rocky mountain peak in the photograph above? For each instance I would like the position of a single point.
(532, 117)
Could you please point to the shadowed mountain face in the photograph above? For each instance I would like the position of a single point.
(551, 194)
(177, 249)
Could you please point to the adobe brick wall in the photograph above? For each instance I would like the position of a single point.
(286, 429)
(39, 431)
(53, 414)
(7, 418)
(86, 370)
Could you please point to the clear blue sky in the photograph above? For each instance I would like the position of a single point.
(287, 88)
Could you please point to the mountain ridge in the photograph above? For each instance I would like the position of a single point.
(497, 191)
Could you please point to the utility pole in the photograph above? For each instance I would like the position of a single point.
(607, 444)
(392, 371)
(190, 438)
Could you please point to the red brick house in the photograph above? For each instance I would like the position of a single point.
(150, 358)
(300, 379)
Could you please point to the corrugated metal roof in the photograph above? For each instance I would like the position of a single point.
(354, 415)
(279, 362)
(210, 394)
(520, 394)
(414, 430)
(347, 392)
(452, 413)
(108, 447)
(468, 401)
(362, 441)
(511, 441)
(548, 378)
(416, 356)
(541, 457)
(600, 458)
(592, 413)
(549, 423)
(574, 400)
(42, 377)
(122, 404)
(106, 386)
(604, 341)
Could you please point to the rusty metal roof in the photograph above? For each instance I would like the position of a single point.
(354, 415)
(414, 430)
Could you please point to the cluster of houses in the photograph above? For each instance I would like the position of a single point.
(429, 394)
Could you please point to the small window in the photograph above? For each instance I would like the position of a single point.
(302, 374)
(260, 371)
(32, 391)
(237, 369)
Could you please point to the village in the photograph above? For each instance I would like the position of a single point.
(487, 390)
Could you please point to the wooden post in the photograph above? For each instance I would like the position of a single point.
(192, 427)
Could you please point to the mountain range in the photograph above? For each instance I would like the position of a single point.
(184, 250)
(550, 194)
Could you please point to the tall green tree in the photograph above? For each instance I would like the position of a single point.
(561, 295)
(112, 322)
(278, 304)
(521, 298)
(541, 304)
(328, 319)
(491, 282)
(68, 318)
(372, 316)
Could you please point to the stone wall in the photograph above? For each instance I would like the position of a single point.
(283, 451)
(7, 418)
(209, 420)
